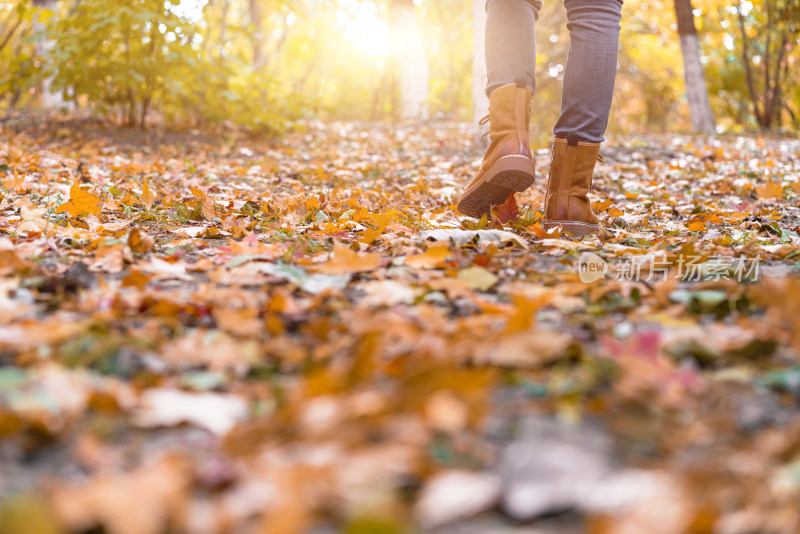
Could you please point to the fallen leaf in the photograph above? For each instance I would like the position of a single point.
(463, 237)
(477, 278)
(147, 196)
(344, 261)
(769, 190)
(167, 407)
(139, 242)
(80, 203)
(158, 491)
(432, 258)
(455, 495)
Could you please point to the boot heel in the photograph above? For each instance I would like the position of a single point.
(508, 175)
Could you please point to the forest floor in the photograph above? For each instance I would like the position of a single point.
(224, 336)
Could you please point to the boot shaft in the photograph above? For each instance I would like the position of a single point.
(509, 119)
(570, 181)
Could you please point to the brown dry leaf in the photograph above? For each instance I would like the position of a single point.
(10, 262)
(32, 221)
(80, 202)
(214, 349)
(445, 412)
(109, 259)
(139, 241)
(147, 196)
(454, 287)
(147, 500)
(531, 348)
(110, 204)
(205, 203)
(242, 322)
(508, 211)
(164, 270)
(29, 334)
(345, 261)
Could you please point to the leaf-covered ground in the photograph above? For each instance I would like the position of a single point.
(217, 335)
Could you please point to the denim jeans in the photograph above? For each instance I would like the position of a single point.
(591, 66)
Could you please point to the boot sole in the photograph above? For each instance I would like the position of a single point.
(575, 228)
(508, 175)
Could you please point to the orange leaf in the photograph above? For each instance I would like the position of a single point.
(80, 202)
(769, 190)
(371, 235)
(696, 226)
(13, 183)
(136, 278)
(432, 258)
(346, 261)
(147, 197)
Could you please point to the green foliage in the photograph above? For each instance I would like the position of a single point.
(122, 56)
(129, 59)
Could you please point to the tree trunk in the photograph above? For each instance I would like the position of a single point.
(254, 13)
(411, 59)
(43, 46)
(696, 90)
(480, 102)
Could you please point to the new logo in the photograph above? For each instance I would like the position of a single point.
(591, 267)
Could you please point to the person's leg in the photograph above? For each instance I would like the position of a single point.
(510, 44)
(508, 165)
(591, 69)
(585, 104)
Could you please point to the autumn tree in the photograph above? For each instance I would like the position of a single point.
(10, 24)
(696, 90)
(46, 12)
(254, 12)
(768, 32)
(20, 68)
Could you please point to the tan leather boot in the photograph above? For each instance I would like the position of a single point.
(508, 164)
(566, 204)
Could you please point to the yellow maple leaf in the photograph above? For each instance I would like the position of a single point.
(80, 202)
(696, 226)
